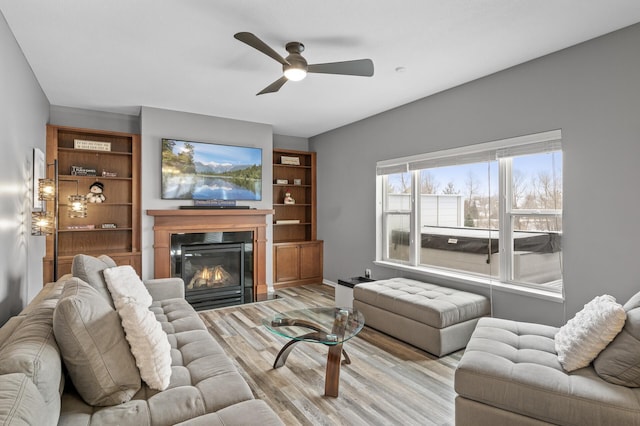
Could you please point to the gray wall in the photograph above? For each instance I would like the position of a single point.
(77, 117)
(24, 111)
(290, 142)
(157, 124)
(590, 91)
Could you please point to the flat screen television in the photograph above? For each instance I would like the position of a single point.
(210, 171)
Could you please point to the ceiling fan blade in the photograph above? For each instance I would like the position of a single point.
(274, 87)
(260, 45)
(360, 67)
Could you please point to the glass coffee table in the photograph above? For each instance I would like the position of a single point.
(328, 325)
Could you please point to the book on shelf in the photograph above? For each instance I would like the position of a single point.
(287, 221)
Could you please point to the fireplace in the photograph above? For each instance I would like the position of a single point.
(216, 267)
(213, 275)
(204, 226)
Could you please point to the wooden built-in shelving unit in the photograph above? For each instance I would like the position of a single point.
(121, 207)
(297, 252)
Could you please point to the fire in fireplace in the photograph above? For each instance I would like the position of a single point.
(210, 277)
(213, 274)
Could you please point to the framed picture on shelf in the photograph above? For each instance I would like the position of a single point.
(290, 161)
(91, 145)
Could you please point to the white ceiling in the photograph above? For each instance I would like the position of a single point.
(118, 55)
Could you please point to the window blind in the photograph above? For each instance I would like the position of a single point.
(488, 151)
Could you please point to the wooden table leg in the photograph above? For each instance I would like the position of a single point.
(281, 358)
(332, 379)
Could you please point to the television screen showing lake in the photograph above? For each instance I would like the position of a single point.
(208, 171)
(211, 188)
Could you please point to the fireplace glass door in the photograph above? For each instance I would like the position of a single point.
(213, 274)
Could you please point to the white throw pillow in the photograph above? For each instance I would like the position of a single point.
(584, 336)
(125, 286)
(149, 344)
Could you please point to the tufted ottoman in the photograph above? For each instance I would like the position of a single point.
(438, 319)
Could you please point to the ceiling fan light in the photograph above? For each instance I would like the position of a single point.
(295, 74)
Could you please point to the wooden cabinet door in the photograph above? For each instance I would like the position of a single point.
(286, 263)
(311, 260)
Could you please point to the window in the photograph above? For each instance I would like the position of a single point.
(492, 210)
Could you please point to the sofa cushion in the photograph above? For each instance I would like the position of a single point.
(244, 413)
(513, 366)
(149, 344)
(21, 403)
(619, 362)
(584, 336)
(31, 349)
(430, 304)
(125, 286)
(93, 346)
(203, 380)
(91, 270)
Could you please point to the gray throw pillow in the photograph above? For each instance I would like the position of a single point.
(108, 261)
(90, 270)
(93, 346)
(619, 362)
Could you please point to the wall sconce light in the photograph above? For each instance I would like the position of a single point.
(42, 223)
(77, 206)
(46, 189)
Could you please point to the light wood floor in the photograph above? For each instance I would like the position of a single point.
(387, 383)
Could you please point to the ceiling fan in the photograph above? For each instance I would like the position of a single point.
(295, 67)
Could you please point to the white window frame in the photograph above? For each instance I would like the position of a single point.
(502, 151)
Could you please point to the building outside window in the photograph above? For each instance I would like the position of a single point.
(491, 211)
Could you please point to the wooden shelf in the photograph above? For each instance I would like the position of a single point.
(91, 178)
(297, 253)
(96, 230)
(122, 192)
(290, 166)
(76, 151)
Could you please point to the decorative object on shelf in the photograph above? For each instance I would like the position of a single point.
(297, 181)
(290, 161)
(82, 171)
(287, 221)
(108, 226)
(95, 194)
(92, 145)
(282, 182)
(82, 227)
(288, 199)
(106, 173)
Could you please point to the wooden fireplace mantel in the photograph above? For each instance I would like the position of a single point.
(176, 221)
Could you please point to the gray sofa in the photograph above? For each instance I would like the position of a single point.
(510, 374)
(205, 387)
